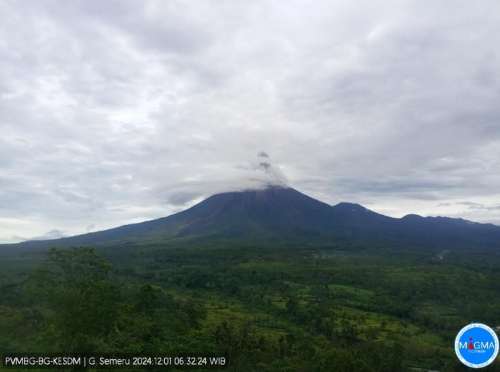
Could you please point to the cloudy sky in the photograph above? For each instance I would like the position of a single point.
(114, 112)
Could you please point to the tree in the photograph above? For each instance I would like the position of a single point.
(72, 283)
(343, 361)
(292, 305)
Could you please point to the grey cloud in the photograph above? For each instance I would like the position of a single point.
(181, 198)
(153, 106)
(480, 206)
(264, 166)
(262, 154)
(52, 234)
(470, 204)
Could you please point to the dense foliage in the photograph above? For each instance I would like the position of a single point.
(265, 308)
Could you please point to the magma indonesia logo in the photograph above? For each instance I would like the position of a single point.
(476, 345)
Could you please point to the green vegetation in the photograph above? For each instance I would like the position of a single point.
(273, 308)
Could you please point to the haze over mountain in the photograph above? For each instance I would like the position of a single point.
(283, 213)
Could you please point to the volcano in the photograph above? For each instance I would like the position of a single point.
(278, 213)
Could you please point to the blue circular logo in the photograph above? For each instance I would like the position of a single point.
(476, 345)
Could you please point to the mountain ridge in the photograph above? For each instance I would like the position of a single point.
(282, 212)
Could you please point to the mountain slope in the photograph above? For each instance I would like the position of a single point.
(278, 213)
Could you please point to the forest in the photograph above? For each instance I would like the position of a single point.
(280, 307)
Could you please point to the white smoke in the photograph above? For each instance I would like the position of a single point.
(255, 175)
(268, 174)
(262, 154)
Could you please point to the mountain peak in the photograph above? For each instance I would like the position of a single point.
(282, 213)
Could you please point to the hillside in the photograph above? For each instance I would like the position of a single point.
(284, 213)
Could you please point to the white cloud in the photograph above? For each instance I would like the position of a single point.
(116, 113)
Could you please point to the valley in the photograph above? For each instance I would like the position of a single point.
(274, 307)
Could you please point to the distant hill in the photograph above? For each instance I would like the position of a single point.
(278, 213)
